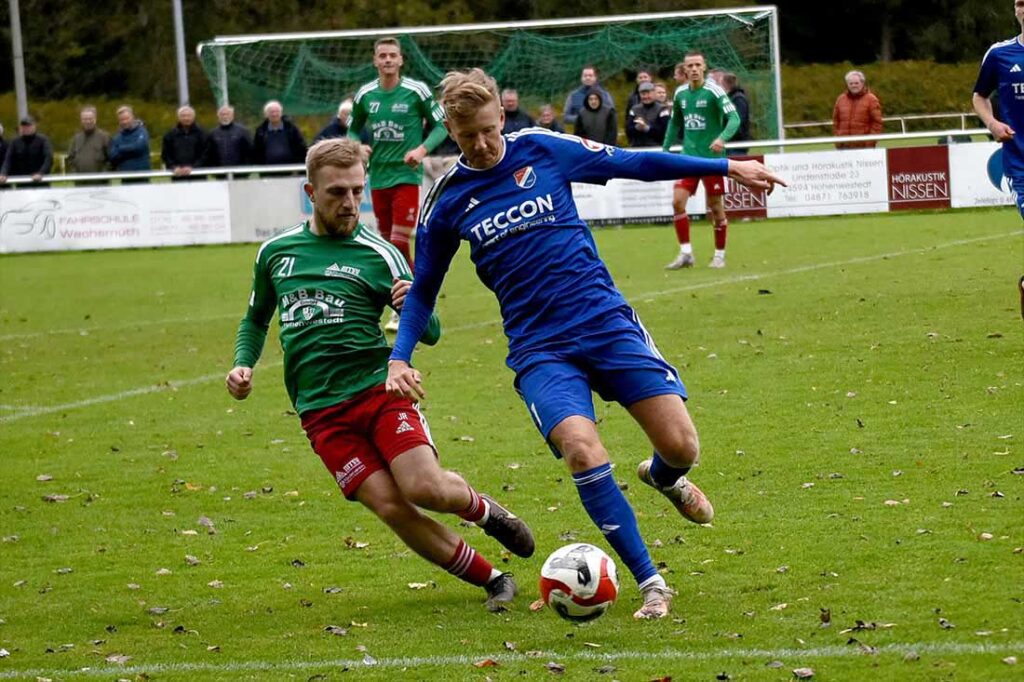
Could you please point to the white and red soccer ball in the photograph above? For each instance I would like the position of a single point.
(579, 582)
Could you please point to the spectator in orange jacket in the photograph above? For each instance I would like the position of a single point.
(858, 112)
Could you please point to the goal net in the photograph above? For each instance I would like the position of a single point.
(310, 73)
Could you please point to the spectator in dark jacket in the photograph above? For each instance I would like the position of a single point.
(129, 148)
(29, 154)
(596, 121)
(338, 127)
(89, 151)
(184, 144)
(547, 119)
(738, 97)
(643, 75)
(278, 140)
(647, 120)
(515, 118)
(229, 144)
(3, 146)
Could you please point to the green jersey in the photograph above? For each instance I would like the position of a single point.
(702, 115)
(329, 293)
(396, 118)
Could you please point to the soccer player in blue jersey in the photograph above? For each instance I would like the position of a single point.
(1002, 69)
(569, 328)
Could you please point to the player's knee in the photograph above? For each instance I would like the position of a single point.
(394, 511)
(681, 447)
(582, 451)
(426, 492)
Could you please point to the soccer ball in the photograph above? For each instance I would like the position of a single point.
(579, 582)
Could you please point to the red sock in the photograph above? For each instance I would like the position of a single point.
(720, 229)
(475, 511)
(467, 565)
(400, 239)
(682, 223)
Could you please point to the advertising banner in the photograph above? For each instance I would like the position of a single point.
(829, 183)
(918, 177)
(741, 202)
(114, 217)
(976, 175)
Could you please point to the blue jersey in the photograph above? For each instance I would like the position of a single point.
(527, 240)
(1002, 69)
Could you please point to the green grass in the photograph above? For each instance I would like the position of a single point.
(836, 364)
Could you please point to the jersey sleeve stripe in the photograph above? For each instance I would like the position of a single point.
(391, 255)
(418, 87)
(435, 193)
(372, 85)
(287, 233)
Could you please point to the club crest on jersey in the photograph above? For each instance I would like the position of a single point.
(525, 177)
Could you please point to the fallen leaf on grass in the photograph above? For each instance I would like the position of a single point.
(803, 673)
(779, 607)
(352, 543)
(215, 584)
(511, 646)
(206, 523)
(826, 618)
(358, 625)
(42, 478)
(945, 624)
(985, 536)
(861, 625)
(486, 663)
(418, 586)
(55, 498)
(605, 669)
(120, 659)
(335, 630)
(537, 605)
(556, 668)
(773, 664)
(1010, 660)
(213, 648)
(192, 560)
(332, 590)
(164, 571)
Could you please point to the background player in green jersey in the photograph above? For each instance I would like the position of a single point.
(704, 114)
(396, 109)
(330, 279)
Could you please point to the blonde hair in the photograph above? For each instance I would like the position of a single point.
(338, 152)
(463, 93)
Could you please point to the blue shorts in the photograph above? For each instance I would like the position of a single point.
(617, 359)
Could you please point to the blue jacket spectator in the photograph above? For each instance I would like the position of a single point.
(278, 140)
(574, 102)
(129, 148)
(229, 144)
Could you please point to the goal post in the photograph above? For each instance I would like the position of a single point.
(311, 72)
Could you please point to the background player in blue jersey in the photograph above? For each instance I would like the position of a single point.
(569, 328)
(1002, 69)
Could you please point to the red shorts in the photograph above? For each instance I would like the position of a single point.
(398, 205)
(365, 434)
(714, 185)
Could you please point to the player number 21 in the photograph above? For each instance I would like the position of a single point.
(285, 269)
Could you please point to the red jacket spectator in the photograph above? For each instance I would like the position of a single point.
(857, 112)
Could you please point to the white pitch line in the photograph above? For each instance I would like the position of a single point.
(145, 390)
(795, 656)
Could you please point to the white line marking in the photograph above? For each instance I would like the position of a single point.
(795, 657)
(173, 385)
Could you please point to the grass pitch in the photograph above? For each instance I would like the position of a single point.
(857, 384)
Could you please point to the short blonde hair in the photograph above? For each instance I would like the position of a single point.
(463, 93)
(338, 152)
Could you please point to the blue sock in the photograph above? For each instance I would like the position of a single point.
(611, 513)
(663, 474)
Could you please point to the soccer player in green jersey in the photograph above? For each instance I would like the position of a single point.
(329, 279)
(702, 111)
(396, 109)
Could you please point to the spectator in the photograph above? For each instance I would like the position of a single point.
(29, 154)
(661, 92)
(278, 140)
(3, 146)
(642, 76)
(715, 76)
(596, 121)
(738, 97)
(184, 144)
(574, 102)
(857, 112)
(515, 119)
(647, 120)
(229, 144)
(129, 147)
(548, 119)
(89, 151)
(338, 127)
